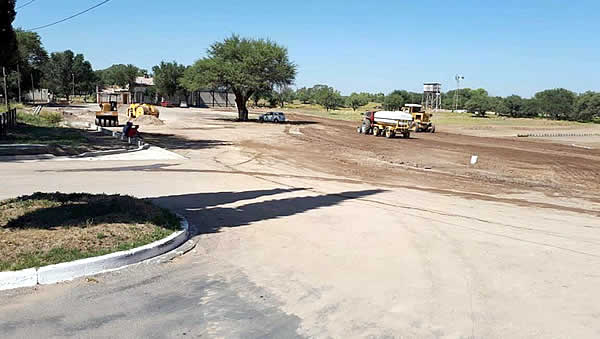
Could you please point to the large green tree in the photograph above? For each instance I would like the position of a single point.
(31, 59)
(64, 68)
(557, 103)
(8, 50)
(480, 102)
(243, 66)
(119, 75)
(587, 106)
(168, 78)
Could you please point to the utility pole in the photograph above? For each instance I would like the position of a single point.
(32, 89)
(19, 81)
(5, 90)
(73, 75)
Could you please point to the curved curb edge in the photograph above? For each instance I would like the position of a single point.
(110, 262)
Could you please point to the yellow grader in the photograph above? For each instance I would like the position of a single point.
(422, 119)
(137, 110)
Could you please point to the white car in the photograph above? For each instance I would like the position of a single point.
(272, 117)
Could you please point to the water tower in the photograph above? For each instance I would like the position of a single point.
(432, 96)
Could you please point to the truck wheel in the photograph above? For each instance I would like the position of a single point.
(406, 135)
(376, 131)
(432, 128)
(389, 133)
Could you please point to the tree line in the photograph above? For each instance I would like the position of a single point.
(556, 104)
(254, 70)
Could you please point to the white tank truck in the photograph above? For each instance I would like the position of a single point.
(387, 123)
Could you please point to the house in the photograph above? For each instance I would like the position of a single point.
(139, 93)
(142, 92)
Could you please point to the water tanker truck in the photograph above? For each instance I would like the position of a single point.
(386, 123)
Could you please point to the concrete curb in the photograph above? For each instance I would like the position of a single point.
(545, 135)
(90, 266)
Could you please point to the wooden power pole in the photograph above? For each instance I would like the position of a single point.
(5, 90)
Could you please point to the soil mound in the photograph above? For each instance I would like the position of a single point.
(148, 120)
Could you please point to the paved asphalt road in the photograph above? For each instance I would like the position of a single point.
(286, 252)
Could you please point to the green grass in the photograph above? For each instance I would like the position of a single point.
(340, 114)
(49, 228)
(43, 129)
(447, 118)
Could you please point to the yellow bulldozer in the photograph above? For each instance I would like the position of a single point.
(137, 110)
(421, 119)
(108, 114)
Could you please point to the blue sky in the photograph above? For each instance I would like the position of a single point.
(505, 46)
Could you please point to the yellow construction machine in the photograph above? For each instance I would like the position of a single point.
(108, 114)
(422, 119)
(137, 110)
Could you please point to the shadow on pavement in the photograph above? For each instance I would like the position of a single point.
(171, 141)
(207, 215)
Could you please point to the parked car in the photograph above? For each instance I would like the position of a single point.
(272, 117)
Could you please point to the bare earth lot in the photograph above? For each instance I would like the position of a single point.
(308, 229)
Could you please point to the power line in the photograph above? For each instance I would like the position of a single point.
(70, 17)
(25, 4)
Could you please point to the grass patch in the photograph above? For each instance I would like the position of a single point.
(447, 118)
(341, 114)
(49, 228)
(43, 129)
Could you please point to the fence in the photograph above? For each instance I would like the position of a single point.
(8, 120)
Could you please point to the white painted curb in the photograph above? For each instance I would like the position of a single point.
(16, 279)
(90, 266)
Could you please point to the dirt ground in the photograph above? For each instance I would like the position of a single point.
(508, 166)
(439, 161)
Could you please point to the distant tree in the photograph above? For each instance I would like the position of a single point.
(261, 94)
(479, 103)
(356, 100)
(449, 98)
(119, 74)
(83, 75)
(557, 103)
(587, 106)
(396, 100)
(284, 94)
(304, 95)
(513, 106)
(327, 97)
(530, 108)
(168, 77)
(32, 58)
(60, 70)
(242, 65)
(414, 98)
(8, 52)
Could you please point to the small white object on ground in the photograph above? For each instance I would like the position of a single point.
(474, 159)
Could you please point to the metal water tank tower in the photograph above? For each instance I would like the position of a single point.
(432, 96)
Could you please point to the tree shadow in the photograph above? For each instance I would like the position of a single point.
(207, 215)
(172, 141)
(52, 210)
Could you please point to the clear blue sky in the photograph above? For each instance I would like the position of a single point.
(504, 46)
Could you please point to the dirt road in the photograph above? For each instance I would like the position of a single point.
(308, 229)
